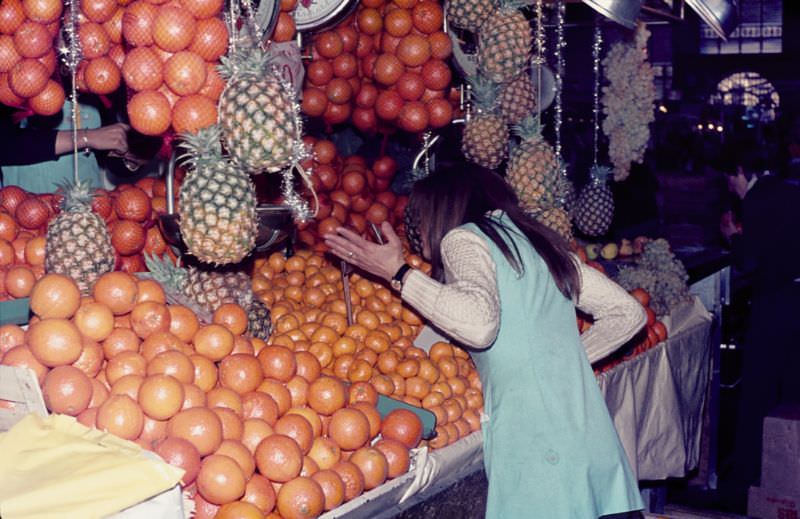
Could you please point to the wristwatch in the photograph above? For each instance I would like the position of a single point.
(397, 279)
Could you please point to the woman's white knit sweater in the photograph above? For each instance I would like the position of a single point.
(467, 307)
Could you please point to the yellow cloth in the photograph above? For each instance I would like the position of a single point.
(55, 467)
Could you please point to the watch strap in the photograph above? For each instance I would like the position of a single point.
(397, 279)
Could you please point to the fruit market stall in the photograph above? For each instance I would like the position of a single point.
(198, 317)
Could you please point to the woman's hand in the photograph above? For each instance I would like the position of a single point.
(113, 137)
(381, 260)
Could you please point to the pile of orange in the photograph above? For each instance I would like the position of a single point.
(376, 353)
(28, 60)
(23, 222)
(383, 67)
(259, 428)
(350, 192)
(130, 212)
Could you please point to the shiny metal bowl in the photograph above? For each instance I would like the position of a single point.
(624, 12)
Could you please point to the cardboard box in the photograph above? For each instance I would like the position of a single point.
(780, 458)
(764, 503)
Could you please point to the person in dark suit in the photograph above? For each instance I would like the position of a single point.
(767, 247)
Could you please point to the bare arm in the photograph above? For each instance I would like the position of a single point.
(112, 138)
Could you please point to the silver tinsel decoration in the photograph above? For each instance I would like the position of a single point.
(559, 77)
(597, 45)
(300, 152)
(71, 55)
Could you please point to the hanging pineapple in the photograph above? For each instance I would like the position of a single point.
(594, 208)
(505, 43)
(533, 170)
(565, 193)
(78, 244)
(211, 289)
(518, 99)
(556, 219)
(469, 14)
(485, 136)
(257, 112)
(217, 202)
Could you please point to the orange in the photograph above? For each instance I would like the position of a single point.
(67, 390)
(232, 424)
(127, 385)
(19, 281)
(241, 372)
(224, 397)
(198, 425)
(54, 342)
(231, 316)
(213, 341)
(332, 487)
(194, 397)
(373, 466)
(326, 395)
(220, 480)
(279, 458)
(349, 428)
(161, 396)
(298, 389)
(239, 510)
(278, 363)
(11, 336)
(325, 452)
(256, 404)
(260, 493)
(94, 320)
(205, 372)
(150, 317)
(323, 353)
(402, 425)
(121, 415)
(298, 428)
(300, 498)
(183, 322)
(368, 319)
(117, 290)
(362, 392)
(55, 295)
(174, 363)
(352, 478)
(125, 363)
(150, 290)
(279, 393)
(159, 342)
(22, 356)
(382, 384)
(254, 431)
(397, 457)
(236, 450)
(91, 358)
(310, 416)
(308, 366)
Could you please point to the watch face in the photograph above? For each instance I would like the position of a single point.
(315, 15)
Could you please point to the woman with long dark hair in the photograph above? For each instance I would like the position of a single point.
(506, 287)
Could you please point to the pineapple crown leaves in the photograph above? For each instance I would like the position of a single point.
(205, 144)
(599, 174)
(529, 129)
(484, 91)
(163, 271)
(77, 196)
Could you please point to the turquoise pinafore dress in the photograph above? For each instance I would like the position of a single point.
(550, 447)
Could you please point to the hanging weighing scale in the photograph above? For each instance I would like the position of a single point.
(318, 15)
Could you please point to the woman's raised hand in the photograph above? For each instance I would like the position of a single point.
(381, 260)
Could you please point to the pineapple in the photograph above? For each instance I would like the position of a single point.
(211, 289)
(565, 193)
(485, 136)
(594, 208)
(518, 99)
(469, 14)
(556, 219)
(78, 243)
(533, 170)
(505, 43)
(217, 202)
(257, 112)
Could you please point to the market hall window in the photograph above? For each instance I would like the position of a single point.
(751, 91)
(760, 31)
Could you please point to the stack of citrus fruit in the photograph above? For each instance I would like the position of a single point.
(259, 428)
(350, 193)
(374, 354)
